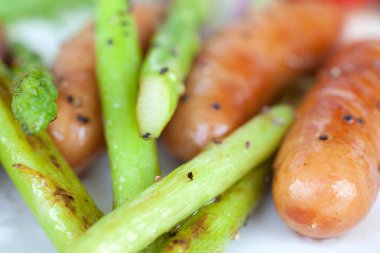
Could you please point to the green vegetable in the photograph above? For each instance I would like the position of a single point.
(5, 74)
(33, 92)
(213, 226)
(45, 181)
(157, 245)
(168, 63)
(134, 162)
(20, 9)
(134, 225)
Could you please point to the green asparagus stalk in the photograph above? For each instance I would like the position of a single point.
(45, 181)
(5, 74)
(214, 225)
(167, 64)
(33, 92)
(134, 162)
(20, 9)
(134, 225)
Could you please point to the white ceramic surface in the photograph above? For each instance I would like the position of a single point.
(264, 233)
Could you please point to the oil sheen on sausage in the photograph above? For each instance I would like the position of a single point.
(245, 66)
(327, 168)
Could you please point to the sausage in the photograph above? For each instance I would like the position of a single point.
(78, 131)
(244, 67)
(326, 171)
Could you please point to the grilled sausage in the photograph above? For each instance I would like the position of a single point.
(326, 172)
(78, 131)
(245, 66)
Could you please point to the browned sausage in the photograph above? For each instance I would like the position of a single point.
(245, 66)
(326, 172)
(78, 131)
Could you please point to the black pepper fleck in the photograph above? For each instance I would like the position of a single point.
(190, 176)
(146, 136)
(216, 106)
(164, 70)
(247, 145)
(83, 119)
(348, 118)
(323, 137)
(70, 99)
(184, 98)
(361, 121)
(109, 42)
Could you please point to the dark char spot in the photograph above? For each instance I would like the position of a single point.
(323, 137)
(83, 119)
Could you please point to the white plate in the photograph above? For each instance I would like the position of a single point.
(264, 233)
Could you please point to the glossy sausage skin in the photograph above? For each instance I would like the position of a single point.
(327, 168)
(245, 66)
(78, 131)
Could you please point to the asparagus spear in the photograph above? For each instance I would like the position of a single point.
(5, 74)
(134, 162)
(20, 9)
(213, 226)
(134, 225)
(167, 64)
(45, 181)
(33, 92)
